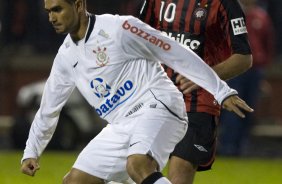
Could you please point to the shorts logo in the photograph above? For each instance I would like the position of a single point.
(146, 36)
(110, 100)
(101, 56)
(238, 26)
(200, 14)
(200, 148)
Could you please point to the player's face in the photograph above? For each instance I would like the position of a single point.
(63, 16)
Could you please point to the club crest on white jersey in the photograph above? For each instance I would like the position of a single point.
(101, 56)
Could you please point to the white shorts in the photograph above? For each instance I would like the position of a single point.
(152, 130)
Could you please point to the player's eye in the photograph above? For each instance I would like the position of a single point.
(57, 9)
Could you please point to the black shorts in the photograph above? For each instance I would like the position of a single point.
(199, 144)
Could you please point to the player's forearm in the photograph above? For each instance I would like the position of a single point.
(233, 66)
(201, 74)
(56, 92)
(40, 134)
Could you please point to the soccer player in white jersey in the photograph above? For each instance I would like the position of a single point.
(115, 62)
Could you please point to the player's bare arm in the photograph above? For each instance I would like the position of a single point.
(30, 166)
(232, 103)
(233, 66)
(185, 85)
(230, 68)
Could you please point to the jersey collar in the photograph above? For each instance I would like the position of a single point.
(91, 26)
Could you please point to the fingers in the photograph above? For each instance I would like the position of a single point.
(243, 105)
(29, 167)
(237, 111)
(235, 104)
(185, 85)
(179, 79)
(189, 89)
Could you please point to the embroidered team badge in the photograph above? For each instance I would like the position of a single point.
(101, 56)
(200, 14)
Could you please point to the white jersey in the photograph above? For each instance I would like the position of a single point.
(114, 67)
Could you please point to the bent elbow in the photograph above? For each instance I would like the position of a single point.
(247, 62)
(250, 61)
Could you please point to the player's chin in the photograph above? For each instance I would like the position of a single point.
(59, 30)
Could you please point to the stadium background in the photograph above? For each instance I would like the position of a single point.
(27, 48)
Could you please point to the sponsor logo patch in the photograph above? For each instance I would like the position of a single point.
(100, 87)
(184, 39)
(146, 36)
(103, 91)
(238, 26)
(103, 34)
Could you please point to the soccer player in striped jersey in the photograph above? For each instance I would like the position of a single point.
(216, 31)
(262, 41)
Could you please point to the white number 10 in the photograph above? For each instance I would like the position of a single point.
(169, 13)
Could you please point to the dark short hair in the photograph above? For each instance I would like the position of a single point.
(73, 1)
(70, 1)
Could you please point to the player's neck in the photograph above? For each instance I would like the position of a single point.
(82, 28)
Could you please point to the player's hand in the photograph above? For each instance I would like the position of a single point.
(236, 105)
(30, 166)
(185, 85)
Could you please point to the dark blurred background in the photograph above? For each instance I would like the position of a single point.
(28, 45)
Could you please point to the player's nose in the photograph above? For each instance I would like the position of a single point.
(52, 17)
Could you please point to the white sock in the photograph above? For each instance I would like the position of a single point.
(162, 180)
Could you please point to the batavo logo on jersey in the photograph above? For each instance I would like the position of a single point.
(146, 36)
(100, 87)
(103, 91)
(238, 26)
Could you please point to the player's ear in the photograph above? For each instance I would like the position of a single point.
(80, 5)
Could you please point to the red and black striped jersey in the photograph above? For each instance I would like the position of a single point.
(214, 29)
